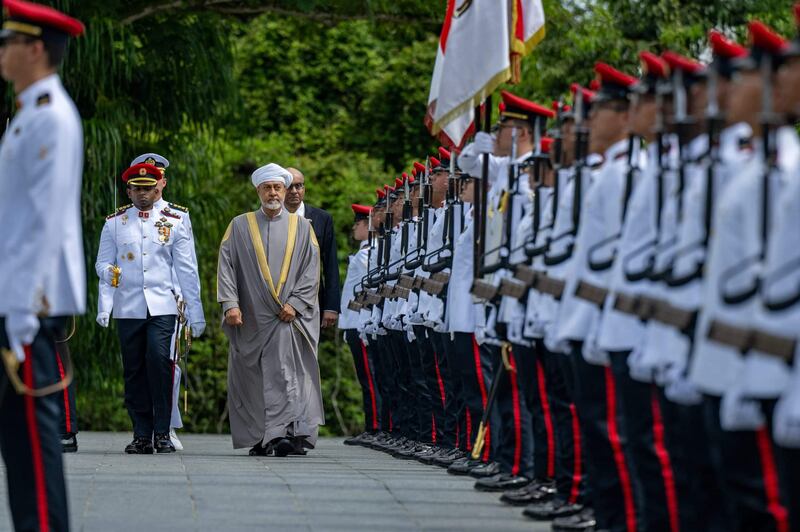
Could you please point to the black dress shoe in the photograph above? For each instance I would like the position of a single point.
(353, 440)
(580, 521)
(282, 446)
(553, 509)
(536, 491)
(485, 470)
(449, 458)
(163, 444)
(139, 445)
(260, 450)
(69, 443)
(463, 466)
(501, 482)
(299, 446)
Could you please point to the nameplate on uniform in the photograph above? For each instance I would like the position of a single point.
(779, 346)
(354, 306)
(483, 289)
(401, 292)
(432, 287)
(512, 288)
(739, 338)
(673, 316)
(550, 286)
(646, 307)
(441, 277)
(526, 274)
(626, 304)
(591, 293)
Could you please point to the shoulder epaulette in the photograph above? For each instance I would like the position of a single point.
(119, 211)
(43, 99)
(170, 213)
(179, 208)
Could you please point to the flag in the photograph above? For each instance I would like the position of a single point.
(480, 47)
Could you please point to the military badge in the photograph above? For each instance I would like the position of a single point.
(150, 160)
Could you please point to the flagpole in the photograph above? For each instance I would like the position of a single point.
(482, 123)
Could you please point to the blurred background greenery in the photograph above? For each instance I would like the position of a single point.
(337, 88)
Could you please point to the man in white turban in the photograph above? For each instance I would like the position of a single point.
(267, 284)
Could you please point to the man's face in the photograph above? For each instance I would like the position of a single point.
(568, 141)
(360, 231)
(271, 195)
(17, 54)
(397, 207)
(160, 185)
(142, 196)
(296, 192)
(378, 216)
(468, 192)
(439, 182)
(642, 119)
(607, 121)
(787, 89)
(744, 97)
(505, 135)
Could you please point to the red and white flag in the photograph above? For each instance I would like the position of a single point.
(481, 44)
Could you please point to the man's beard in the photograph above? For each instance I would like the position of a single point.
(271, 205)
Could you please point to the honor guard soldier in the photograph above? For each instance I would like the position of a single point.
(43, 278)
(162, 164)
(349, 318)
(139, 248)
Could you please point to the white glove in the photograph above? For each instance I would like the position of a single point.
(591, 352)
(514, 330)
(483, 143)
(480, 335)
(552, 343)
(786, 420)
(738, 412)
(102, 319)
(683, 392)
(21, 328)
(108, 275)
(364, 337)
(410, 334)
(640, 367)
(197, 329)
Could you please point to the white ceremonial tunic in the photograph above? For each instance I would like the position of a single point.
(462, 312)
(147, 254)
(356, 270)
(41, 167)
(734, 250)
(532, 327)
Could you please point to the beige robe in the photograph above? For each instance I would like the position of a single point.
(273, 375)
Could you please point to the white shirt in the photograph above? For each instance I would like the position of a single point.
(41, 167)
(147, 249)
(356, 270)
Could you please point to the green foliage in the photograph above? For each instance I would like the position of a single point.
(335, 88)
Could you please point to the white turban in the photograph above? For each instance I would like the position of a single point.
(272, 173)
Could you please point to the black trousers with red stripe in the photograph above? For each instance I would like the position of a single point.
(443, 346)
(612, 493)
(69, 415)
(29, 437)
(515, 451)
(788, 461)
(386, 379)
(570, 455)
(474, 364)
(652, 462)
(434, 363)
(366, 378)
(745, 462)
(419, 398)
(403, 417)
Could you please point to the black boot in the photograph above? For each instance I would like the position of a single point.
(282, 446)
(69, 443)
(139, 445)
(163, 444)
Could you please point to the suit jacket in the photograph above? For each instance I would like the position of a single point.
(322, 223)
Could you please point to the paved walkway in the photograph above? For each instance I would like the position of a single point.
(211, 487)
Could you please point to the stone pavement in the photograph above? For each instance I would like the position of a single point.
(212, 487)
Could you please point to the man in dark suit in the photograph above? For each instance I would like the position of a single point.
(322, 222)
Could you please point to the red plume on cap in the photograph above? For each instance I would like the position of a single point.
(419, 167)
(360, 209)
(797, 14)
(512, 101)
(653, 65)
(681, 62)
(411, 180)
(435, 162)
(594, 85)
(444, 153)
(609, 74)
(399, 182)
(546, 143)
(723, 47)
(763, 37)
(381, 193)
(388, 189)
(588, 95)
(28, 12)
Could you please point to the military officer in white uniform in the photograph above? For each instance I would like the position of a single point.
(42, 276)
(145, 244)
